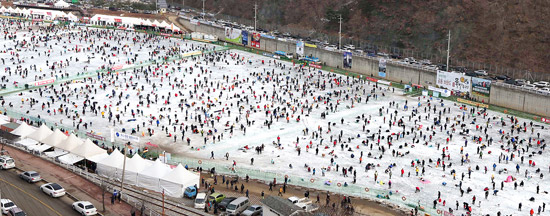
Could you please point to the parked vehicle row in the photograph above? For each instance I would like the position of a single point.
(53, 190)
(229, 205)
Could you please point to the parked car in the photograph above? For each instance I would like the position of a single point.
(253, 210)
(521, 82)
(6, 205)
(200, 200)
(6, 162)
(529, 86)
(472, 74)
(481, 72)
(30, 176)
(16, 212)
(84, 208)
(541, 84)
(216, 197)
(237, 206)
(53, 189)
(544, 90)
(190, 192)
(225, 202)
(349, 46)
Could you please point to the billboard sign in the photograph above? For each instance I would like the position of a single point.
(382, 66)
(457, 82)
(300, 48)
(481, 87)
(256, 40)
(233, 35)
(245, 38)
(347, 60)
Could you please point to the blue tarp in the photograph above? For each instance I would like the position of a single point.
(311, 59)
(280, 53)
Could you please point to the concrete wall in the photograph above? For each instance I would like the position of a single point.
(501, 96)
(521, 100)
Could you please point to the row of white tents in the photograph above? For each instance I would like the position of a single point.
(34, 13)
(70, 149)
(130, 22)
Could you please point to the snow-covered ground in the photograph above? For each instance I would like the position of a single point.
(245, 99)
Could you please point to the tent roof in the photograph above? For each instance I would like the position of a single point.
(27, 142)
(156, 170)
(61, 3)
(115, 159)
(70, 143)
(99, 157)
(55, 138)
(137, 164)
(23, 130)
(156, 23)
(41, 133)
(179, 175)
(70, 158)
(88, 150)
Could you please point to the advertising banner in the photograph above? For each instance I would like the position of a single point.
(545, 120)
(127, 137)
(454, 81)
(315, 66)
(481, 87)
(42, 82)
(256, 40)
(347, 60)
(245, 38)
(233, 35)
(311, 45)
(300, 48)
(382, 66)
(473, 103)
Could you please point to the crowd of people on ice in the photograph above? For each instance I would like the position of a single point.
(343, 129)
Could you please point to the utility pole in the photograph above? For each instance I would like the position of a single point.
(340, 34)
(255, 14)
(124, 166)
(448, 51)
(203, 8)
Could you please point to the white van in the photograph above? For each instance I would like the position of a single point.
(200, 200)
(237, 206)
(6, 162)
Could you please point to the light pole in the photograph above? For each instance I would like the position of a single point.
(203, 8)
(448, 50)
(340, 34)
(124, 166)
(255, 14)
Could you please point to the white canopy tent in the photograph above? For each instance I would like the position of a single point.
(54, 139)
(99, 157)
(175, 182)
(150, 176)
(111, 166)
(23, 130)
(26, 142)
(135, 165)
(62, 4)
(41, 133)
(70, 143)
(39, 148)
(88, 150)
(70, 158)
(55, 153)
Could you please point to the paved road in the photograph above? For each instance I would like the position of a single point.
(29, 197)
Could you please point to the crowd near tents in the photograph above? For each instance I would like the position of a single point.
(132, 22)
(70, 149)
(38, 14)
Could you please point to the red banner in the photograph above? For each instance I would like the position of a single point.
(118, 20)
(545, 120)
(315, 66)
(167, 35)
(256, 40)
(371, 79)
